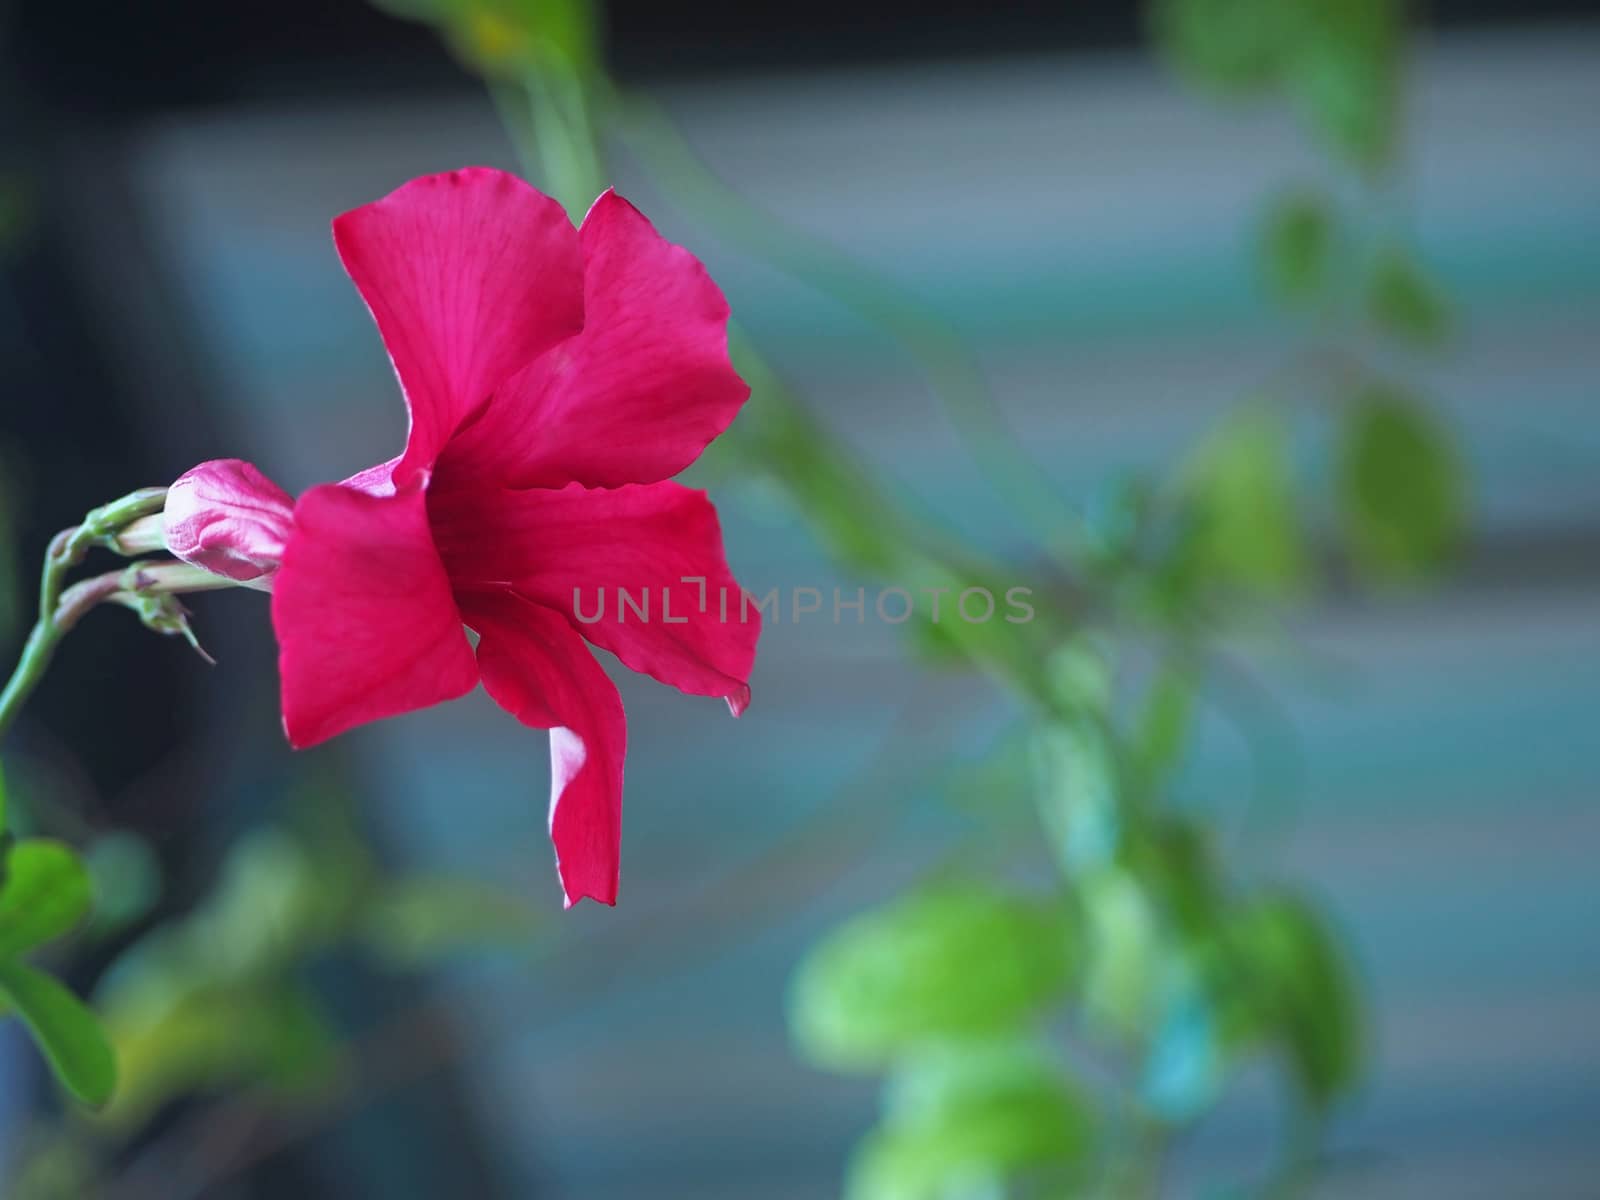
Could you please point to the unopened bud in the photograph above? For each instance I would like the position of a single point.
(141, 537)
(230, 519)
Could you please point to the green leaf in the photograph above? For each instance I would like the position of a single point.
(46, 893)
(1297, 247)
(1241, 487)
(1081, 675)
(1344, 72)
(1123, 949)
(1401, 487)
(1339, 60)
(2, 800)
(67, 1032)
(954, 960)
(964, 1117)
(1229, 46)
(961, 1118)
(1404, 302)
(1174, 862)
(1304, 993)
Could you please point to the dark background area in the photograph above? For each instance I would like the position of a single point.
(111, 58)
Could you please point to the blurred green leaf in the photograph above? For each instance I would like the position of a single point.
(1123, 953)
(1229, 46)
(1241, 486)
(1307, 998)
(950, 960)
(3, 826)
(1077, 789)
(67, 1032)
(46, 893)
(1081, 675)
(1345, 74)
(1401, 486)
(1173, 860)
(413, 922)
(963, 1118)
(1404, 302)
(1297, 247)
(1339, 60)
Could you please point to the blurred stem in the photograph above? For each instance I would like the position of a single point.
(949, 367)
(566, 143)
(67, 550)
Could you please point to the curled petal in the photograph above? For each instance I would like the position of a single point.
(374, 481)
(229, 518)
(367, 625)
(540, 672)
(638, 571)
(637, 395)
(470, 276)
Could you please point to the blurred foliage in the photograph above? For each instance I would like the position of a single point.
(218, 997)
(1182, 970)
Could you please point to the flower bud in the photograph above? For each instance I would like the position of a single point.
(228, 518)
(140, 536)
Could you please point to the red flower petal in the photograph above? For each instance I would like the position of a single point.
(540, 672)
(577, 549)
(638, 394)
(470, 276)
(366, 623)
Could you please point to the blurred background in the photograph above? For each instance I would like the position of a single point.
(1001, 262)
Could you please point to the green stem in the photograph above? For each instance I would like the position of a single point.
(67, 550)
(565, 140)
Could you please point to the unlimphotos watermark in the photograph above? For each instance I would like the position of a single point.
(891, 605)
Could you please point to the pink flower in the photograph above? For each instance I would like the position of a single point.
(556, 378)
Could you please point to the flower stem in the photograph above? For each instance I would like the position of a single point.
(67, 550)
